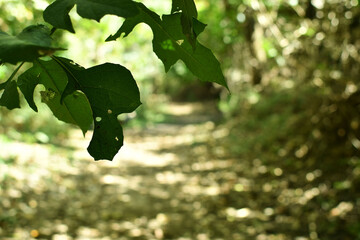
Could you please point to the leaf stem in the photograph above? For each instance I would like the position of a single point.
(53, 30)
(14, 73)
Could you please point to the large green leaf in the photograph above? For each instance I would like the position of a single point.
(188, 13)
(10, 96)
(74, 109)
(33, 42)
(96, 9)
(111, 90)
(187, 7)
(170, 44)
(27, 83)
(57, 14)
(198, 26)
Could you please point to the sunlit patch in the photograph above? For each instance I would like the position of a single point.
(34, 233)
(278, 172)
(47, 95)
(267, 187)
(348, 15)
(168, 45)
(240, 17)
(14, 193)
(40, 4)
(179, 42)
(350, 89)
(143, 156)
(62, 228)
(269, 211)
(113, 179)
(311, 193)
(355, 142)
(98, 119)
(319, 4)
(239, 187)
(302, 151)
(262, 169)
(310, 177)
(293, 2)
(238, 213)
(342, 209)
(88, 233)
(33, 203)
(170, 177)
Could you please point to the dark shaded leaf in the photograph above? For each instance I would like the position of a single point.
(187, 7)
(31, 43)
(198, 26)
(57, 13)
(10, 96)
(111, 90)
(27, 83)
(96, 9)
(188, 12)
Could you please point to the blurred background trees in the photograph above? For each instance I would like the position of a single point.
(291, 123)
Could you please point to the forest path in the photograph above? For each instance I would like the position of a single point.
(174, 180)
(163, 184)
(156, 145)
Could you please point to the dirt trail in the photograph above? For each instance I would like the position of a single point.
(174, 180)
(157, 144)
(160, 186)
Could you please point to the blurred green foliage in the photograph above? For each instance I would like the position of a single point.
(293, 69)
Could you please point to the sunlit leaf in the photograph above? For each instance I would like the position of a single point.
(74, 109)
(170, 44)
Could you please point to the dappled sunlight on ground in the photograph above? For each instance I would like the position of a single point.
(169, 181)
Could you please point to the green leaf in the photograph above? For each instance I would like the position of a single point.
(188, 12)
(57, 13)
(27, 83)
(187, 7)
(96, 9)
(170, 44)
(111, 90)
(33, 42)
(198, 26)
(75, 108)
(10, 96)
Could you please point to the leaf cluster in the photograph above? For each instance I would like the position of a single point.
(99, 94)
